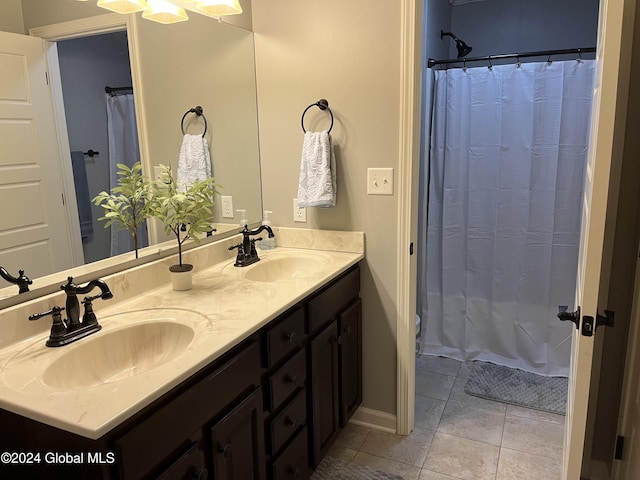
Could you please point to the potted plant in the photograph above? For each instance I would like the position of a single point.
(127, 206)
(186, 212)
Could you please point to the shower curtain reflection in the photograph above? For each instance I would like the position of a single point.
(123, 148)
(508, 155)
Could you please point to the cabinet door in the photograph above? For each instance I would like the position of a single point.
(324, 391)
(190, 466)
(350, 340)
(238, 442)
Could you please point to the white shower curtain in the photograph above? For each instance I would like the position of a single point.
(508, 156)
(123, 148)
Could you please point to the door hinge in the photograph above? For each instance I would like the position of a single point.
(619, 447)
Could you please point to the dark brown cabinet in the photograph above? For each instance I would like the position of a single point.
(324, 388)
(335, 360)
(268, 409)
(237, 442)
(350, 360)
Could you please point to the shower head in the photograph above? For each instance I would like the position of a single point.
(463, 48)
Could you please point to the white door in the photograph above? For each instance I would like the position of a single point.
(628, 468)
(33, 222)
(591, 282)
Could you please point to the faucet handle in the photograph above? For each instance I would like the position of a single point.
(58, 328)
(54, 311)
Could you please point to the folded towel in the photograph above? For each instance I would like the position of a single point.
(317, 184)
(194, 162)
(82, 194)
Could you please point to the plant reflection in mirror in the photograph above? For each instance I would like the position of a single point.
(128, 204)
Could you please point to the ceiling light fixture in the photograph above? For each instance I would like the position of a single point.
(217, 8)
(123, 6)
(164, 12)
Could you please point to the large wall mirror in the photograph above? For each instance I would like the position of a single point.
(173, 68)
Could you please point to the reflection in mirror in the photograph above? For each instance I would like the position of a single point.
(173, 68)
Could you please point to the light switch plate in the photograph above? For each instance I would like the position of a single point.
(380, 181)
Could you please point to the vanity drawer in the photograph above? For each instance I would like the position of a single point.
(160, 435)
(334, 298)
(286, 336)
(287, 379)
(285, 424)
(293, 462)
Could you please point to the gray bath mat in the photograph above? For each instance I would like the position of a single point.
(331, 468)
(517, 387)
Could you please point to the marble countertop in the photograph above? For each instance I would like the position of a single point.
(223, 308)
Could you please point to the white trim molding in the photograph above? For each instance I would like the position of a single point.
(367, 417)
(408, 154)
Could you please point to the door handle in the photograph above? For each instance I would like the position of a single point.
(570, 316)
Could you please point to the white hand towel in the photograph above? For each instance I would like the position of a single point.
(317, 184)
(195, 161)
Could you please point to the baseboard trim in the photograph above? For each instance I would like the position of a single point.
(367, 417)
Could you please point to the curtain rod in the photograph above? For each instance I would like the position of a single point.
(489, 58)
(108, 89)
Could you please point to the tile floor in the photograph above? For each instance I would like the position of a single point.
(458, 436)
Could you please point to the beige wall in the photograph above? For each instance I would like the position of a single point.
(11, 16)
(348, 53)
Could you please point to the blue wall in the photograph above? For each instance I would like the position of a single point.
(493, 27)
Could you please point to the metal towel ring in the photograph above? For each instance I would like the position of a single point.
(322, 104)
(198, 111)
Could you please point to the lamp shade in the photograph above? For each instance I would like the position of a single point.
(218, 8)
(165, 12)
(123, 6)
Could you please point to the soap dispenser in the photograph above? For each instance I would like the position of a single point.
(267, 243)
(243, 214)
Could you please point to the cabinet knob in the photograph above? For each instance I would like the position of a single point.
(291, 337)
(295, 471)
(201, 475)
(225, 451)
(293, 422)
(347, 330)
(293, 379)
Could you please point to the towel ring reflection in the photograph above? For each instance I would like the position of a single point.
(322, 104)
(198, 111)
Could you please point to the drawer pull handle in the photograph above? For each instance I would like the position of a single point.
(225, 451)
(293, 422)
(292, 338)
(293, 380)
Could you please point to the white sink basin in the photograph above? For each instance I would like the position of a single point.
(283, 268)
(129, 344)
(118, 355)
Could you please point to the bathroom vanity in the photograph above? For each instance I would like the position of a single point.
(267, 403)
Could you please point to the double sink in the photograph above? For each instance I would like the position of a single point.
(142, 352)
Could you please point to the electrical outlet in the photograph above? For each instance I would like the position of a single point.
(227, 206)
(379, 181)
(299, 213)
(157, 172)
